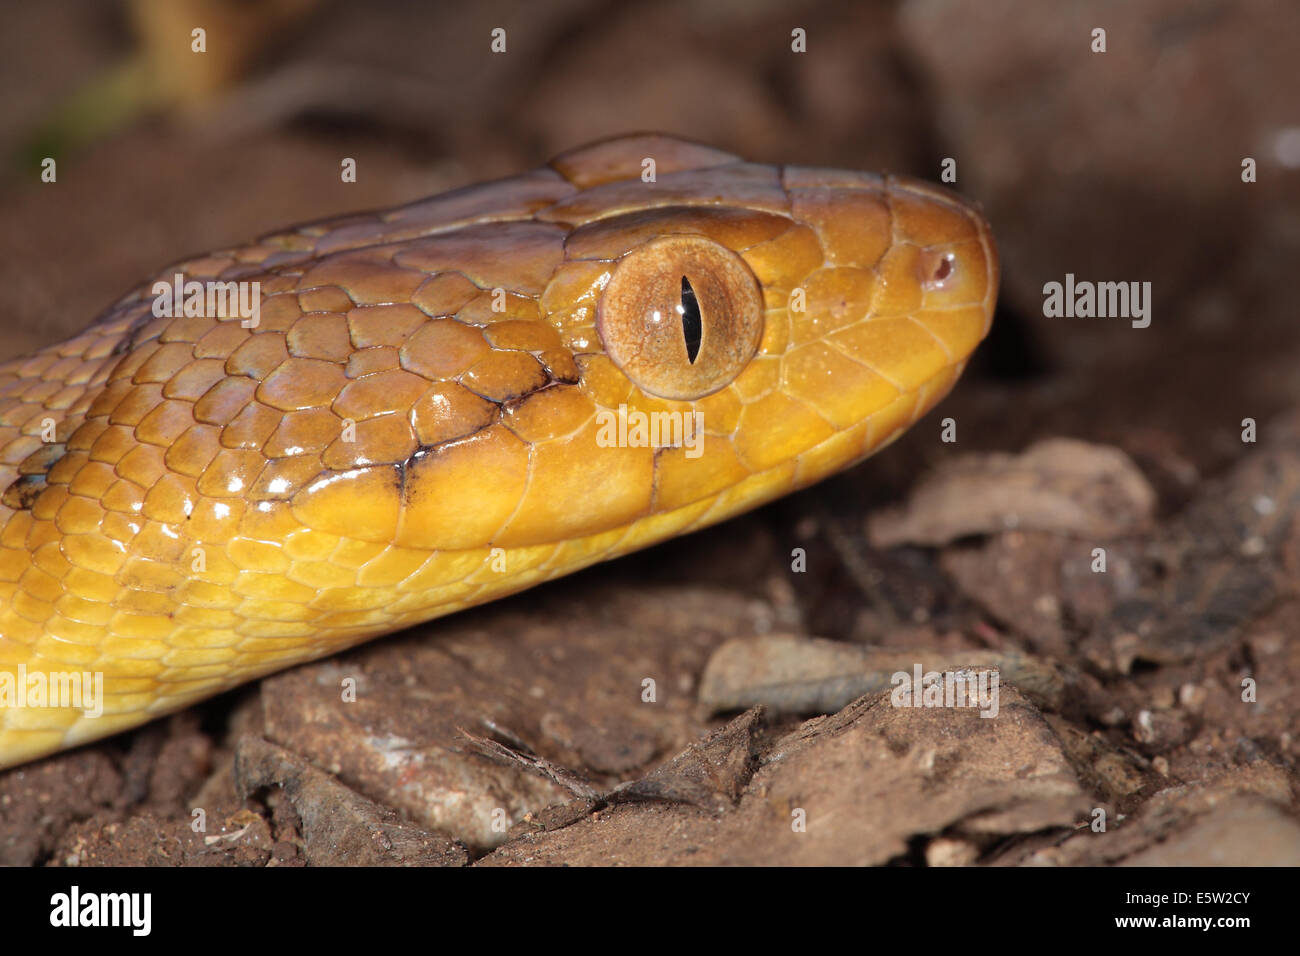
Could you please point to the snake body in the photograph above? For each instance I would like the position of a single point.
(446, 402)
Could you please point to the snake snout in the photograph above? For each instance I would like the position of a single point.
(904, 294)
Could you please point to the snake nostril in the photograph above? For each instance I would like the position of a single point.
(936, 268)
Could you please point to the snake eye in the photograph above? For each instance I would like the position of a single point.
(681, 316)
(691, 328)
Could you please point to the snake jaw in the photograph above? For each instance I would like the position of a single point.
(448, 402)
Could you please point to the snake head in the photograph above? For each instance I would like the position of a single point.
(443, 403)
(797, 318)
(645, 336)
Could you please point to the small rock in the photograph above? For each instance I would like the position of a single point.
(339, 826)
(793, 674)
(1245, 831)
(710, 774)
(1061, 485)
(945, 851)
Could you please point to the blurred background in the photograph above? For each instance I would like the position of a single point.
(1123, 165)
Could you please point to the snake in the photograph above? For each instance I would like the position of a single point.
(443, 403)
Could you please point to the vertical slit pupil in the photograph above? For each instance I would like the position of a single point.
(692, 327)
